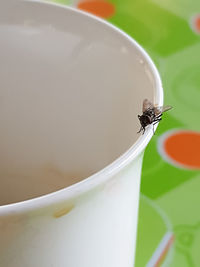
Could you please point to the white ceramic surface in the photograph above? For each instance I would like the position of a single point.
(71, 87)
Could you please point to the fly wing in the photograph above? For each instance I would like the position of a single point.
(158, 110)
(166, 108)
(147, 105)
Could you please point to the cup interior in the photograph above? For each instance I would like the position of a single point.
(71, 87)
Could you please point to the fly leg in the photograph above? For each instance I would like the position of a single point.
(159, 115)
(156, 121)
(158, 118)
(140, 129)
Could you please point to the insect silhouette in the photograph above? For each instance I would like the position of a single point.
(151, 114)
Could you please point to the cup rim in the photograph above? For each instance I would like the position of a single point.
(110, 170)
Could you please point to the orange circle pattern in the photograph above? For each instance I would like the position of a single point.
(195, 23)
(183, 147)
(100, 8)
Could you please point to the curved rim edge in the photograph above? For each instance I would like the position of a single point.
(110, 170)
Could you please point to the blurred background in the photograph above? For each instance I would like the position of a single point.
(169, 214)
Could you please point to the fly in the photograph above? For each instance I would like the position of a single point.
(151, 114)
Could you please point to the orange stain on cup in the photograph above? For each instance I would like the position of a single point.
(182, 148)
(63, 211)
(100, 8)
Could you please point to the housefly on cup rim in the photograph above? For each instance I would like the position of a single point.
(151, 114)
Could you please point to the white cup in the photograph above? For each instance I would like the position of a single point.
(71, 87)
